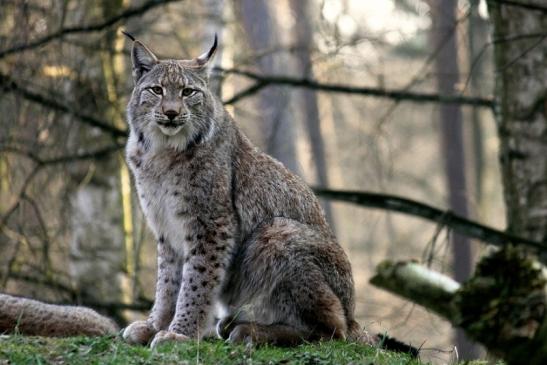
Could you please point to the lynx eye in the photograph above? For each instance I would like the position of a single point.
(188, 92)
(157, 90)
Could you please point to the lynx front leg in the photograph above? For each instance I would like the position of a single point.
(167, 287)
(202, 276)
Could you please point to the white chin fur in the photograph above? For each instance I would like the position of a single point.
(170, 131)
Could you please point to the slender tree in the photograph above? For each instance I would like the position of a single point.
(213, 25)
(477, 35)
(278, 127)
(303, 36)
(443, 38)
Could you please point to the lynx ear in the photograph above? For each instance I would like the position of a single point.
(143, 60)
(204, 60)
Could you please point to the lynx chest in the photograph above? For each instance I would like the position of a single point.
(164, 195)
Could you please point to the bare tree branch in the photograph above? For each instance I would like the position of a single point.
(9, 85)
(97, 154)
(83, 156)
(520, 4)
(411, 207)
(266, 80)
(127, 14)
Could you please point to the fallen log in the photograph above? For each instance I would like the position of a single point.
(502, 306)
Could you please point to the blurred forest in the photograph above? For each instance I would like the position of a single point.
(391, 96)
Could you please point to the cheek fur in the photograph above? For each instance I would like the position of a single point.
(148, 100)
(194, 101)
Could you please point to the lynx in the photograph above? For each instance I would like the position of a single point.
(239, 237)
(242, 242)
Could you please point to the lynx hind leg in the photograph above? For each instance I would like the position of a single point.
(311, 303)
(299, 319)
(303, 279)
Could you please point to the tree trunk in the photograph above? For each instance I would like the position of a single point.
(278, 128)
(521, 114)
(303, 34)
(442, 32)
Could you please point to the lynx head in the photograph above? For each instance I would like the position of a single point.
(171, 104)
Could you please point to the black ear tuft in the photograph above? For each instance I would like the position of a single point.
(143, 60)
(128, 35)
(207, 56)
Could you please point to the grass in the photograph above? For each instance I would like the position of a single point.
(17, 349)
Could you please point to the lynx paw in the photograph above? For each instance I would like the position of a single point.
(138, 333)
(242, 333)
(167, 336)
(225, 326)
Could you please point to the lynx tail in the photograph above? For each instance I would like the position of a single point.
(359, 335)
(31, 317)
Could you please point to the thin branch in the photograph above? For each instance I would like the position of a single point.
(125, 15)
(106, 151)
(9, 85)
(44, 281)
(411, 207)
(520, 4)
(511, 38)
(422, 71)
(62, 159)
(266, 80)
(251, 90)
(522, 54)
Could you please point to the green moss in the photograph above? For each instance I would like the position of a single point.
(107, 350)
(502, 305)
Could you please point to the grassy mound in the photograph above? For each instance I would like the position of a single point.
(108, 350)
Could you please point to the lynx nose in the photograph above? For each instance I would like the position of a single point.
(171, 114)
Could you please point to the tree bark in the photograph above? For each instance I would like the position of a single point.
(442, 31)
(521, 114)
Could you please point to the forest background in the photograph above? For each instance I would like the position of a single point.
(392, 97)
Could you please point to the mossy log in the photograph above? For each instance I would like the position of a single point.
(502, 306)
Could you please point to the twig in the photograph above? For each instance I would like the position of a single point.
(127, 14)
